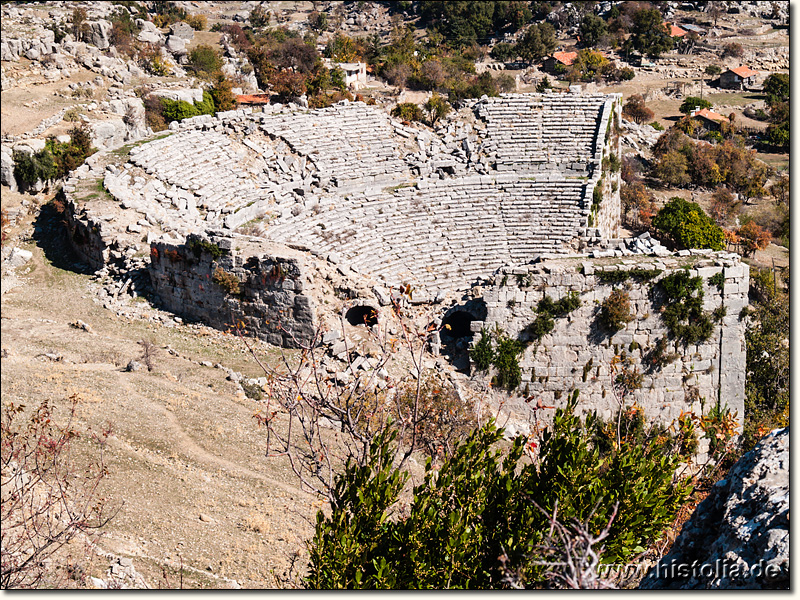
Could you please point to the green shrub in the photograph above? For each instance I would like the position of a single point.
(547, 311)
(198, 246)
(251, 390)
(408, 111)
(205, 61)
(659, 357)
(177, 110)
(483, 354)
(481, 506)
(686, 225)
(718, 280)
(683, 312)
(509, 375)
(626, 73)
(30, 168)
(692, 102)
(620, 275)
(597, 195)
(657, 126)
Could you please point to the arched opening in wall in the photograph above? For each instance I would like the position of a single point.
(362, 315)
(457, 325)
(456, 335)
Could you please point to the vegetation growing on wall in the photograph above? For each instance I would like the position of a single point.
(547, 311)
(615, 312)
(683, 312)
(227, 281)
(767, 339)
(621, 275)
(198, 246)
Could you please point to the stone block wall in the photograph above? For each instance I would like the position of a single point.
(580, 354)
(270, 302)
(86, 232)
(605, 220)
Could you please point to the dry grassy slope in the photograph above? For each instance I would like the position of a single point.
(185, 441)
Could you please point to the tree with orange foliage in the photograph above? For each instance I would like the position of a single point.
(637, 204)
(752, 238)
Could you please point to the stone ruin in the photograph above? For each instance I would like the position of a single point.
(312, 207)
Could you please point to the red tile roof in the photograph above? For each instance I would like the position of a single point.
(565, 58)
(710, 115)
(744, 71)
(252, 98)
(676, 31)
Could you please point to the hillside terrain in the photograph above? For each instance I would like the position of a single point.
(196, 500)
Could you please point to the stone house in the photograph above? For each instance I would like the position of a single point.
(355, 74)
(708, 118)
(565, 59)
(740, 78)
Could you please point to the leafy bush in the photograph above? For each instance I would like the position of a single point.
(768, 371)
(197, 22)
(547, 311)
(436, 108)
(483, 354)
(636, 110)
(752, 238)
(544, 85)
(657, 126)
(482, 504)
(509, 375)
(686, 225)
(733, 50)
(407, 111)
(205, 61)
(615, 311)
(626, 74)
(776, 88)
(620, 275)
(683, 312)
(38, 166)
(693, 102)
(178, 110)
(717, 280)
(503, 52)
(223, 98)
(198, 246)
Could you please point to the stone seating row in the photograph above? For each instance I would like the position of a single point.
(443, 235)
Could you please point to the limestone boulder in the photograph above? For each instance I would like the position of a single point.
(150, 37)
(100, 32)
(109, 134)
(187, 95)
(738, 538)
(176, 45)
(10, 50)
(182, 30)
(7, 168)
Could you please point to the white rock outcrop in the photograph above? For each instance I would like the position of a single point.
(738, 538)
